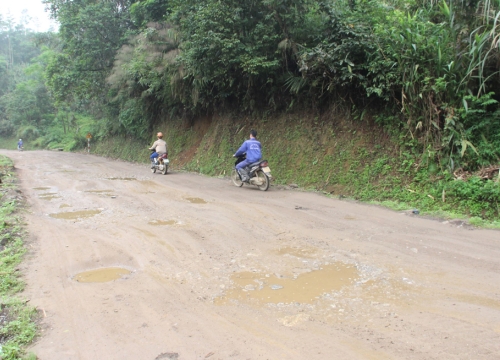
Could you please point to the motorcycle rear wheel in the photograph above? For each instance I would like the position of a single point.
(165, 169)
(265, 180)
(235, 177)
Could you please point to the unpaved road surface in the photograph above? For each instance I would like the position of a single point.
(211, 271)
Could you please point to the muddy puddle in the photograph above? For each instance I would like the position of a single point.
(259, 289)
(149, 183)
(122, 178)
(48, 196)
(42, 188)
(64, 206)
(162, 222)
(102, 193)
(146, 232)
(73, 215)
(101, 275)
(296, 251)
(196, 200)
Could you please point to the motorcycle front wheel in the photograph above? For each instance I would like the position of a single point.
(153, 170)
(235, 177)
(262, 179)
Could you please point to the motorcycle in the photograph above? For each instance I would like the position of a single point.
(161, 164)
(259, 174)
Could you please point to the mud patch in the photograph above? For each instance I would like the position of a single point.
(48, 196)
(122, 178)
(162, 222)
(73, 215)
(42, 188)
(146, 232)
(102, 193)
(64, 206)
(149, 183)
(196, 200)
(101, 275)
(259, 289)
(296, 251)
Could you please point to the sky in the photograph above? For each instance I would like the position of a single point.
(36, 10)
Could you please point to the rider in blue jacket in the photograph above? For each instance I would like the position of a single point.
(253, 149)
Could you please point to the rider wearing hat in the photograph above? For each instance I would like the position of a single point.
(159, 147)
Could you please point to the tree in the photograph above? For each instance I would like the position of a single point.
(91, 32)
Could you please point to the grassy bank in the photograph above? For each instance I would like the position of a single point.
(329, 154)
(8, 143)
(17, 326)
(339, 158)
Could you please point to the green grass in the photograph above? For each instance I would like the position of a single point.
(343, 159)
(17, 324)
(8, 143)
(326, 154)
(122, 148)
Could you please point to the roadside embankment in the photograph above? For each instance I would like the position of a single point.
(326, 153)
(17, 318)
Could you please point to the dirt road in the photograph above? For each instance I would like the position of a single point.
(205, 270)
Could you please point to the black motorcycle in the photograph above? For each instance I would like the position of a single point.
(259, 174)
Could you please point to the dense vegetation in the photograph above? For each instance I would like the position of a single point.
(424, 71)
(17, 326)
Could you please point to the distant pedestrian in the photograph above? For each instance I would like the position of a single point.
(20, 145)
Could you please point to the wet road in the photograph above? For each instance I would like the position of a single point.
(126, 264)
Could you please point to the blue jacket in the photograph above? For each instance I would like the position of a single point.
(253, 149)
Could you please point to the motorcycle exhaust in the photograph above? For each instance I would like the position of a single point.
(256, 181)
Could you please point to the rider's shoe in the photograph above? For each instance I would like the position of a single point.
(243, 175)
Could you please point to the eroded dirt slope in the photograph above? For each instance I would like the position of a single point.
(211, 271)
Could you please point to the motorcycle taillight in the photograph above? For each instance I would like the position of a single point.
(264, 164)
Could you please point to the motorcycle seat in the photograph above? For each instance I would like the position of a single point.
(255, 163)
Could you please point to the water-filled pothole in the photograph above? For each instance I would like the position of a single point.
(122, 178)
(196, 200)
(101, 275)
(102, 193)
(64, 206)
(162, 222)
(72, 215)
(258, 288)
(42, 188)
(296, 251)
(48, 196)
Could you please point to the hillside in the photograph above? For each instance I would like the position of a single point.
(327, 153)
